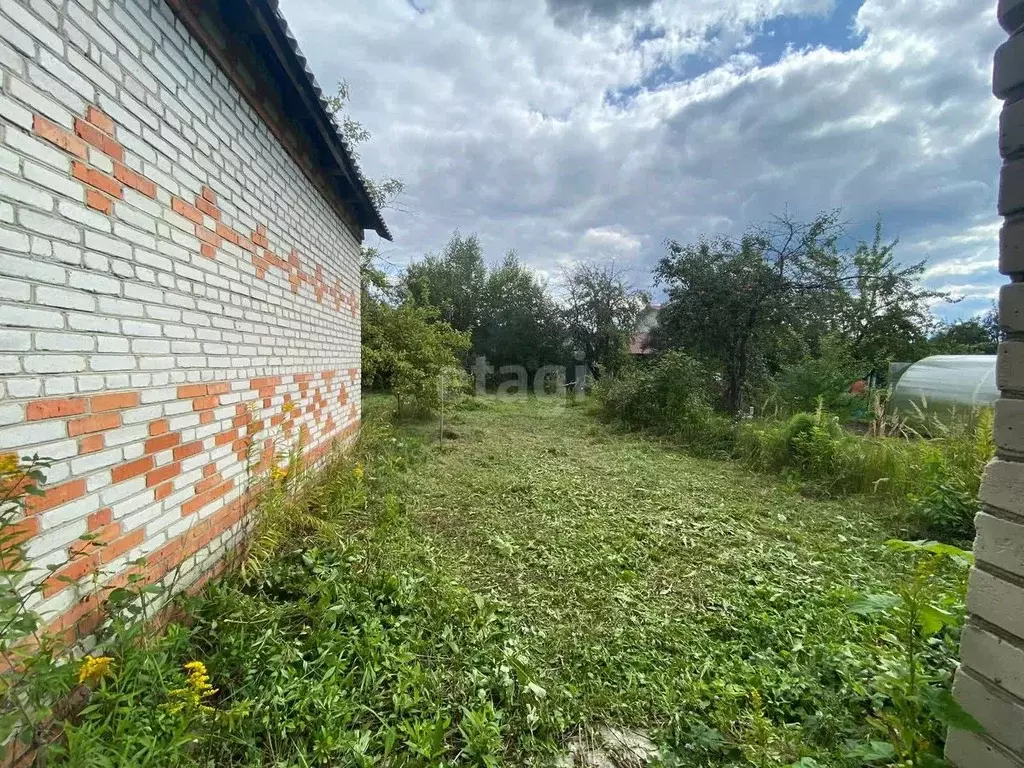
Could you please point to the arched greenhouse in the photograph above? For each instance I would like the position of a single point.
(942, 386)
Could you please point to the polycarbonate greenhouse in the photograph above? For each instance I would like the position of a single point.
(946, 384)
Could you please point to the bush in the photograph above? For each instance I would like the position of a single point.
(800, 386)
(406, 349)
(667, 394)
(815, 444)
(948, 502)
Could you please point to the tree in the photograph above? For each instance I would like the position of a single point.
(783, 293)
(990, 322)
(754, 303)
(600, 313)
(976, 336)
(406, 349)
(520, 324)
(885, 313)
(453, 282)
(385, 191)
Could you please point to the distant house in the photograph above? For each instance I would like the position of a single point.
(640, 340)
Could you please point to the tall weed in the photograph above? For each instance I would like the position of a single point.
(933, 473)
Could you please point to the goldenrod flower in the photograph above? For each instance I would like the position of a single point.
(94, 668)
(8, 464)
(277, 473)
(357, 472)
(197, 689)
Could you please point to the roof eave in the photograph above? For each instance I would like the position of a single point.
(292, 60)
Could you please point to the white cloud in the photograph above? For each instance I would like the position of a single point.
(609, 241)
(495, 114)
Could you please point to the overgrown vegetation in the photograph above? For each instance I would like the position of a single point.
(483, 604)
(406, 348)
(934, 481)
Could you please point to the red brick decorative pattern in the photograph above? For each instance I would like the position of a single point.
(98, 131)
(178, 296)
(271, 410)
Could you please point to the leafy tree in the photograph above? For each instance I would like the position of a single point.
(377, 302)
(453, 282)
(600, 312)
(373, 281)
(884, 312)
(520, 324)
(405, 347)
(781, 295)
(406, 351)
(990, 322)
(507, 311)
(385, 191)
(747, 305)
(977, 336)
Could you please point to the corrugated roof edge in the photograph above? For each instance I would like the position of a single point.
(354, 170)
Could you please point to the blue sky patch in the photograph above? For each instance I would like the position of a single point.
(834, 31)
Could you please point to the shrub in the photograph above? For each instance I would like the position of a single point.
(668, 394)
(948, 501)
(406, 350)
(800, 386)
(817, 447)
(935, 480)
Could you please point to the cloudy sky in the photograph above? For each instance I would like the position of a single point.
(596, 129)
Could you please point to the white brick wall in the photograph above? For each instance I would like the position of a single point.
(157, 244)
(990, 681)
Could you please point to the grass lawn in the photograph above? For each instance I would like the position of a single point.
(492, 600)
(691, 598)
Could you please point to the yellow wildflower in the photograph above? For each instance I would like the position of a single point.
(288, 407)
(8, 464)
(94, 668)
(197, 689)
(196, 670)
(357, 472)
(277, 473)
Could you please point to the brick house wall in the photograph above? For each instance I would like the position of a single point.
(990, 680)
(173, 283)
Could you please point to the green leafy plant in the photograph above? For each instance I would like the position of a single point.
(28, 666)
(911, 695)
(669, 395)
(952, 472)
(480, 729)
(289, 505)
(406, 350)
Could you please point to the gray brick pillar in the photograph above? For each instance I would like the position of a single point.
(990, 681)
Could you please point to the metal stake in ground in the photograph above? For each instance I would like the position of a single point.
(440, 432)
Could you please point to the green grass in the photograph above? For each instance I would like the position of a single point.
(537, 575)
(655, 589)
